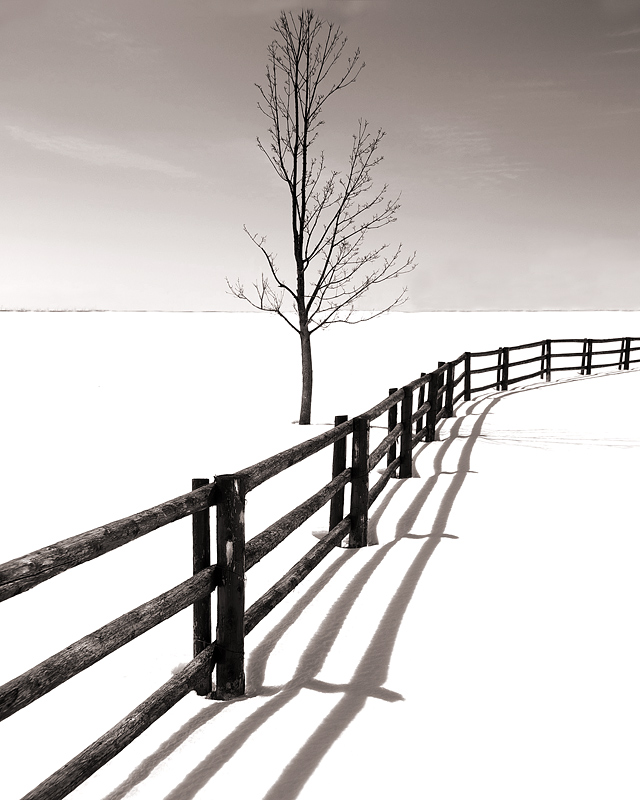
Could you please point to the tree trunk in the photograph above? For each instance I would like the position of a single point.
(307, 376)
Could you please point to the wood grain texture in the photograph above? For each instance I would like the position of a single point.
(76, 771)
(270, 599)
(57, 669)
(230, 679)
(258, 473)
(262, 544)
(201, 544)
(24, 573)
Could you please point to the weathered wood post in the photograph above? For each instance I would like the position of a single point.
(432, 413)
(201, 537)
(230, 501)
(589, 356)
(406, 412)
(359, 483)
(420, 420)
(467, 376)
(448, 402)
(499, 371)
(543, 350)
(583, 361)
(621, 354)
(440, 400)
(627, 352)
(504, 376)
(547, 374)
(336, 509)
(392, 421)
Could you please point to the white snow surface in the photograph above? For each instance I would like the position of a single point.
(485, 647)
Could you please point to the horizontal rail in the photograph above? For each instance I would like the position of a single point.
(606, 341)
(480, 370)
(491, 385)
(580, 341)
(535, 374)
(22, 574)
(524, 361)
(606, 352)
(383, 448)
(485, 353)
(76, 771)
(458, 397)
(384, 405)
(421, 411)
(458, 379)
(421, 381)
(41, 679)
(379, 485)
(580, 354)
(262, 544)
(270, 599)
(258, 473)
(525, 346)
(574, 368)
(418, 437)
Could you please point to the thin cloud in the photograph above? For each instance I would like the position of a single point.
(629, 32)
(467, 156)
(102, 155)
(623, 51)
(344, 8)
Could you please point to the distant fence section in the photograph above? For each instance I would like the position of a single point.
(412, 413)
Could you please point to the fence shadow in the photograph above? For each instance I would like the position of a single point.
(371, 673)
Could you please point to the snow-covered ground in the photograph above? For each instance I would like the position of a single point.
(485, 647)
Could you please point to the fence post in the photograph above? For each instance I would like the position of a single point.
(621, 355)
(499, 371)
(201, 537)
(433, 408)
(504, 379)
(391, 424)
(406, 460)
(547, 374)
(359, 483)
(583, 362)
(440, 401)
(542, 355)
(419, 421)
(467, 376)
(448, 402)
(589, 356)
(336, 509)
(627, 352)
(230, 501)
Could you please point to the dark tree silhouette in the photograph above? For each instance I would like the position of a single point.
(331, 212)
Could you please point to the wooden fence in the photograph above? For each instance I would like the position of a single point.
(438, 393)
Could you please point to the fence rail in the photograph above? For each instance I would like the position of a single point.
(407, 426)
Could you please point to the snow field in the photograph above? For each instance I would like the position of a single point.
(500, 663)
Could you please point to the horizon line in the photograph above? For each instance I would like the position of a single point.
(220, 311)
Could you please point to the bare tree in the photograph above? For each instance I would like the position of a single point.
(331, 212)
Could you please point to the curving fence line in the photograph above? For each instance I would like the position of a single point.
(410, 420)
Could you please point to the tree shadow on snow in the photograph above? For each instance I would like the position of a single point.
(371, 673)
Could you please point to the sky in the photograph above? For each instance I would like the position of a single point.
(130, 165)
